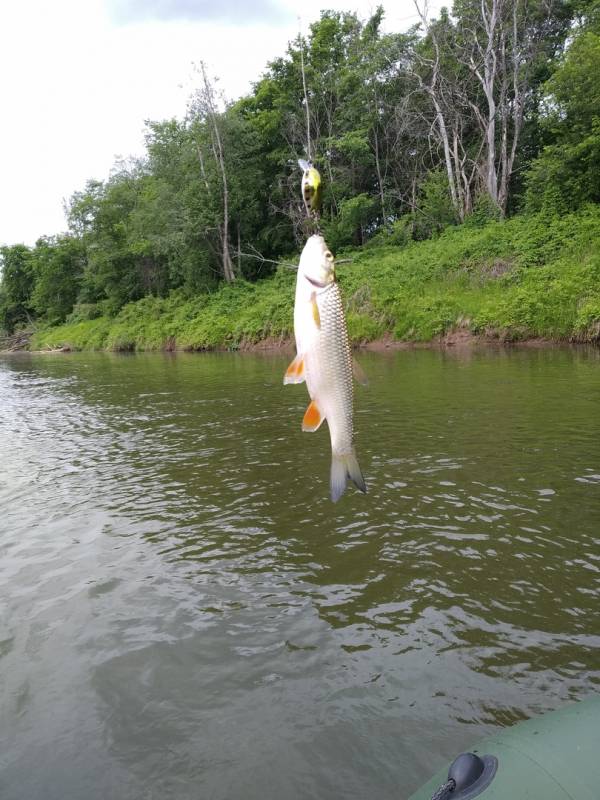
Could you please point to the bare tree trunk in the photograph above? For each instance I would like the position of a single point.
(447, 157)
(490, 21)
(379, 176)
(211, 115)
(518, 104)
(436, 94)
(202, 168)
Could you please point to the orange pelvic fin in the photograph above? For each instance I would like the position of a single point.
(312, 418)
(295, 371)
(315, 310)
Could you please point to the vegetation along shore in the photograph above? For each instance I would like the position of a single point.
(461, 196)
(522, 278)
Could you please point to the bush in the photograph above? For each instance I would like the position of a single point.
(82, 312)
(353, 223)
(536, 275)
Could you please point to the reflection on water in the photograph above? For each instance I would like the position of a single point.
(185, 614)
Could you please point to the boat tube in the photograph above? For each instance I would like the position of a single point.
(552, 757)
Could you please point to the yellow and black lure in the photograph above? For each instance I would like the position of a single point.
(312, 189)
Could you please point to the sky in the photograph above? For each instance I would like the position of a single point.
(79, 77)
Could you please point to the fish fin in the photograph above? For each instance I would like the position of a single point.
(342, 468)
(303, 164)
(312, 418)
(315, 310)
(359, 373)
(295, 372)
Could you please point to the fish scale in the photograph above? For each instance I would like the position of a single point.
(324, 361)
(333, 348)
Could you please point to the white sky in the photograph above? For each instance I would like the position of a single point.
(79, 77)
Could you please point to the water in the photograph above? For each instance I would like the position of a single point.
(184, 614)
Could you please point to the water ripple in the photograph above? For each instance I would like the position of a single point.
(186, 613)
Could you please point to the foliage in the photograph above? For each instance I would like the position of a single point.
(435, 209)
(567, 172)
(17, 285)
(535, 275)
(413, 132)
(58, 266)
(356, 216)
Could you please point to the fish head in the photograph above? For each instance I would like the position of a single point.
(317, 264)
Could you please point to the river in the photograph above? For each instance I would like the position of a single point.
(185, 614)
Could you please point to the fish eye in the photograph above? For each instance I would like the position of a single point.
(329, 255)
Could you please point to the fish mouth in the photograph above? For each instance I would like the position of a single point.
(316, 283)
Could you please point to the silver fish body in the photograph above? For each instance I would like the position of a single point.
(324, 361)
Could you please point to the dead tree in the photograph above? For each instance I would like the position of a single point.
(448, 118)
(206, 106)
(483, 75)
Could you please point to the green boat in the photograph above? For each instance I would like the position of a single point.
(553, 757)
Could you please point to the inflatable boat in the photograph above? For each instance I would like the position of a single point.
(552, 757)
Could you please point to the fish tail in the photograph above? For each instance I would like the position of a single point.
(342, 468)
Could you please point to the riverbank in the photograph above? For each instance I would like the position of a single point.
(527, 278)
(454, 340)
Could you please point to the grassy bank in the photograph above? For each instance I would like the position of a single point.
(527, 277)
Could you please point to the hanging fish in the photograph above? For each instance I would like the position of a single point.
(311, 188)
(324, 360)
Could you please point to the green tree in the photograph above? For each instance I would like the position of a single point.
(58, 265)
(567, 172)
(16, 287)
(355, 77)
(114, 272)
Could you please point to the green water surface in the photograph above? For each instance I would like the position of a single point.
(185, 614)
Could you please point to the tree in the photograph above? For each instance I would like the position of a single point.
(114, 273)
(567, 171)
(481, 71)
(211, 145)
(16, 288)
(354, 77)
(411, 131)
(58, 264)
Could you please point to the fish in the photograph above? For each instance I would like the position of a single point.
(311, 188)
(324, 361)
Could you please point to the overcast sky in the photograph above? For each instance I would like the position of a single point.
(79, 77)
